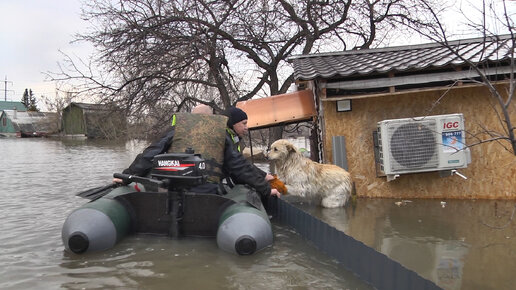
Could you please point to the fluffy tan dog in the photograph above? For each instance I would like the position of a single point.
(328, 183)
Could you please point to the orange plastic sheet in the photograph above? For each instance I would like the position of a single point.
(280, 109)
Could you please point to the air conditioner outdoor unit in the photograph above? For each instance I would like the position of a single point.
(422, 144)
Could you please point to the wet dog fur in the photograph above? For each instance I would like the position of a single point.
(327, 183)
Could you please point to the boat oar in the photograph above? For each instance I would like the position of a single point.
(97, 192)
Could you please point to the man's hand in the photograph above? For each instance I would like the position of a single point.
(118, 180)
(269, 177)
(275, 192)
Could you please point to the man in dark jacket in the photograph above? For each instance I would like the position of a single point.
(237, 127)
(234, 164)
(236, 130)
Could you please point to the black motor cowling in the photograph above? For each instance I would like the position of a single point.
(180, 169)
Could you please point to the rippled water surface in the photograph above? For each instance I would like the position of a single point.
(456, 244)
(39, 179)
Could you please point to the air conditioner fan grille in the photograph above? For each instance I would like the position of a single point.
(413, 145)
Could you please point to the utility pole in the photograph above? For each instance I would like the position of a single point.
(5, 88)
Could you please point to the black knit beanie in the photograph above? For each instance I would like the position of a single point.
(235, 115)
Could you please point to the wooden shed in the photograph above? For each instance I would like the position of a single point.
(359, 92)
(93, 121)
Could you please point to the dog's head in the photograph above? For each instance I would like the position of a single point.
(280, 150)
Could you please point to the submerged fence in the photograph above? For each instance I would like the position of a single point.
(370, 265)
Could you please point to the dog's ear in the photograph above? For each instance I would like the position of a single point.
(291, 148)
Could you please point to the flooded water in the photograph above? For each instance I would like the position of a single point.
(39, 179)
(456, 244)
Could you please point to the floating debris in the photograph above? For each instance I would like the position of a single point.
(402, 202)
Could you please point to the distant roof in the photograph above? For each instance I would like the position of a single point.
(29, 121)
(400, 59)
(8, 105)
(87, 106)
(26, 117)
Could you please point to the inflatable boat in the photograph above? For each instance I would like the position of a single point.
(163, 204)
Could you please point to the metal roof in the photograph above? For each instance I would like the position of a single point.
(401, 59)
(87, 106)
(9, 105)
(29, 121)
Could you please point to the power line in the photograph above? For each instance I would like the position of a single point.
(5, 88)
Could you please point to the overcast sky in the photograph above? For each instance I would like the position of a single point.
(31, 34)
(33, 31)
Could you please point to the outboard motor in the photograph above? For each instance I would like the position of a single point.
(179, 171)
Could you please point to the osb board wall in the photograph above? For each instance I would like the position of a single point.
(491, 175)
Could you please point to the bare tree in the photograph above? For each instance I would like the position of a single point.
(57, 104)
(495, 24)
(180, 52)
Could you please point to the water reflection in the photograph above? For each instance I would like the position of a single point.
(428, 247)
(39, 179)
(458, 244)
(157, 263)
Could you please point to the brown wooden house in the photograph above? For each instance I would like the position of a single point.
(399, 110)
